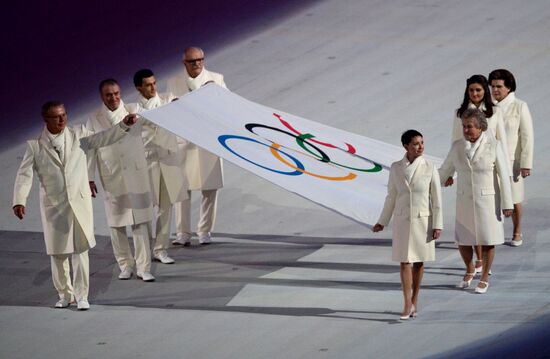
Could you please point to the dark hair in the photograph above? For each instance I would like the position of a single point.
(506, 76)
(476, 114)
(107, 82)
(481, 80)
(50, 104)
(140, 75)
(408, 135)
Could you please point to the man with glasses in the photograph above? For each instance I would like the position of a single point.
(58, 156)
(202, 169)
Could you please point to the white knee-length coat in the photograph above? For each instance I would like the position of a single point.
(164, 158)
(416, 209)
(202, 169)
(65, 196)
(483, 190)
(123, 172)
(519, 129)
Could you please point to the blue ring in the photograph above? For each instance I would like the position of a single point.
(223, 140)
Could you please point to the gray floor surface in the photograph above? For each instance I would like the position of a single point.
(284, 277)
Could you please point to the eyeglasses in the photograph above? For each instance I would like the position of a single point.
(194, 61)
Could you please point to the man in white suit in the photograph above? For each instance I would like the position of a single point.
(202, 169)
(58, 157)
(164, 160)
(123, 173)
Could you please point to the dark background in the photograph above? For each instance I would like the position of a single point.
(61, 50)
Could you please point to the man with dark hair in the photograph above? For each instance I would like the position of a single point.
(202, 169)
(520, 139)
(123, 173)
(164, 161)
(58, 156)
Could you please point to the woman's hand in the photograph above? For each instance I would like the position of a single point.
(449, 182)
(377, 227)
(507, 212)
(436, 233)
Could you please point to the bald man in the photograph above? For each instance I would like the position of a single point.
(202, 169)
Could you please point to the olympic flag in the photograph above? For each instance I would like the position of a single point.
(339, 170)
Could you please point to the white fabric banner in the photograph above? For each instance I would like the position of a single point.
(339, 170)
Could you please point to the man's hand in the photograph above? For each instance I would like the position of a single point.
(377, 227)
(507, 212)
(19, 211)
(436, 233)
(130, 119)
(93, 188)
(449, 182)
(525, 172)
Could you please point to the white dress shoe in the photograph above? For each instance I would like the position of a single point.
(146, 276)
(126, 273)
(182, 239)
(205, 239)
(62, 303)
(480, 290)
(162, 257)
(83, 304)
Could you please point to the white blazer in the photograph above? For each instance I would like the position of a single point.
(202, 169)
(65, 197)
(163, 157)
(478, 202)
(123, 173)
(519, 130)
(416, 208)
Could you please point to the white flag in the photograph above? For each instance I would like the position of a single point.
(339, 170)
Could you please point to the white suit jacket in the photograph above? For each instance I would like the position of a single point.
(202, 169)
(65, 196)
(479, 200)
(164, 158)
(519, 130)
(416, 208)
(123, 172)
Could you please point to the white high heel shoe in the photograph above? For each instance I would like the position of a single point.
(412, 314)
(480, 290)
(466, 283)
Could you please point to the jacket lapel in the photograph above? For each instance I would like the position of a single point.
(418, 169)
(70, 142)
(47, 145)
(401, 167)
(480, 151)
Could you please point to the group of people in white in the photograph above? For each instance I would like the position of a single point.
(141, 167)
(145, 171)
(491, 154)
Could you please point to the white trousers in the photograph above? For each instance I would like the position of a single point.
(163, 222)
(77, 288)
(207, 213)
(122, 251)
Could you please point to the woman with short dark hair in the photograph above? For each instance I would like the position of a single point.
(414, 199)
(520, 138)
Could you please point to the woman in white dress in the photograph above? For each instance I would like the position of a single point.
(479, 161)
(477, 95)
(520, 140)
(414, 198)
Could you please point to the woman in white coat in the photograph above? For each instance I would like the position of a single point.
(520, 140)
(414, 197)
(478, 161)
(477, 95)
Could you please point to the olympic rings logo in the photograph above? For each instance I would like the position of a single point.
(306, 142)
